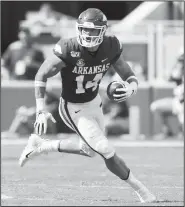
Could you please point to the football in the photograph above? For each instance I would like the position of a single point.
(111, 89)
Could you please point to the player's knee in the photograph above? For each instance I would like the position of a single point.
(86, 149)
(105, 149)
(90, 152)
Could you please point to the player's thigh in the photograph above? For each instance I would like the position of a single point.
(91, 132)
(87, 121)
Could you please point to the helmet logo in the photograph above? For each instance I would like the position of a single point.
(80, 63)
(88, 24)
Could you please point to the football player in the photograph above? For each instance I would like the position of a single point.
(82, 62)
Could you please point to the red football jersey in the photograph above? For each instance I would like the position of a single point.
(84, 70)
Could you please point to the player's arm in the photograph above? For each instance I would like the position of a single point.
(128, 76)
(126, 73)
(50, 67)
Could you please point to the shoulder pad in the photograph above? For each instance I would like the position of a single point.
(61, 48)
(57, 49)
(115, 48)
(118, 42)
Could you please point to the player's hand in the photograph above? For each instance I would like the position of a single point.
(122, 94)
(40, 124)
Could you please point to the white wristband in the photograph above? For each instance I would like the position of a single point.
(40, 104)
(40, 84)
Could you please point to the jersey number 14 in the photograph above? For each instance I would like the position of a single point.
(90, 84)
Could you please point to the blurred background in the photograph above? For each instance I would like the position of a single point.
(152, 34)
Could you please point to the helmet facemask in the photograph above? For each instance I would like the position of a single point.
(87, 40)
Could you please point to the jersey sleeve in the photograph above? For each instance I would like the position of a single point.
(61, 49)
(117, 48)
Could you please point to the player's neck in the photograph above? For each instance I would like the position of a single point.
(93, 49)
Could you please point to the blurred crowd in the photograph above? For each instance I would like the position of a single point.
(22, 58)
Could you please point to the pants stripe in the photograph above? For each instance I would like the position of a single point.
(76, 129)
(64, 118)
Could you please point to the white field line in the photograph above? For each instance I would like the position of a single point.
(115, 143)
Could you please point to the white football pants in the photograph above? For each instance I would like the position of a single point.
(87, 120)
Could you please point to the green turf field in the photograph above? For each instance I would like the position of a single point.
(61, 179)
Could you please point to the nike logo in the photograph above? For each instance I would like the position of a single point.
(77, 111)
(104, 60)
(29, 153)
